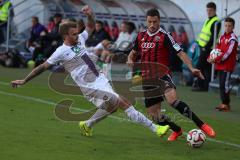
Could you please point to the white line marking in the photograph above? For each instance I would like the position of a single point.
(113, 117)
(4, 83)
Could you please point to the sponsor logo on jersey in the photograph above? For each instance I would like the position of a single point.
(148, 45)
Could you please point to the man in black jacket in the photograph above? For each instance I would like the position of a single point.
(98, 35)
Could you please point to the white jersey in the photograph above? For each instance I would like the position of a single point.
(80, 64)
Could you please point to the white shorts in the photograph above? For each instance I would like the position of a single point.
(100, 93)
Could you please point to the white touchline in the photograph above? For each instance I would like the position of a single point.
(4, 83)
(83, 110)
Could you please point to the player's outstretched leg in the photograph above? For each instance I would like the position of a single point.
(87, 126)
(111, 101)
(138, 117)
(177, 131)
(184, 109)
(86, 131)
(154, 111)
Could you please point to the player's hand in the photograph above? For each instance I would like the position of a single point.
(197, 72)
(130, 63)
(17, 83)
(87, 10)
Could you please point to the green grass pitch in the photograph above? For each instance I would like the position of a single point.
(29, 129)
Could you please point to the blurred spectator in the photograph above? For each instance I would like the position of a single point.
(54, 36)
(193, 53)
(98, 35)
(173, 32)
(183, 38)
(48, 42)
(132, 31)
(43, 49)
(123, 42)
(106, 27)
(36, 29)
(124, 34)
(114, 31)
(141, 27)
(50, 24)
(80, 26)
(5, 6)
(206, 43)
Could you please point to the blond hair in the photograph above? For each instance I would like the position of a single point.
(64, 27)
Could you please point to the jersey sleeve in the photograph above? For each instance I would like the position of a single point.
(83, 35)
(229, 50)
(170, 43)
(55, 58)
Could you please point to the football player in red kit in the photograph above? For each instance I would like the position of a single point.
(154, 45)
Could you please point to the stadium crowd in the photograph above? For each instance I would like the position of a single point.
(105, 40)
(114, 42)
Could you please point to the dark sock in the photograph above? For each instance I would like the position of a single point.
(186, 111)
(164, 120)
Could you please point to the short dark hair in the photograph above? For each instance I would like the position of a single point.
(231, 20)
(211, 5)
(36, 18)
(99, 22)
(58, 15)
(64, 27)
(131, 27)
(153, 12)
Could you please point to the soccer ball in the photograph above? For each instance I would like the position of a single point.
(214, 54)
(196, 138)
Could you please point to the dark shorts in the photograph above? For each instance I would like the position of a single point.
(154, 91)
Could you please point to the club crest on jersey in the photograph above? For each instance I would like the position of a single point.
(157, 39)
(76, 49)
(148, 45)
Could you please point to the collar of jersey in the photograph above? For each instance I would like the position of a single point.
(152, 34)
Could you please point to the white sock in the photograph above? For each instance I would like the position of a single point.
(99, 115)
(138, 117)
(99, 46)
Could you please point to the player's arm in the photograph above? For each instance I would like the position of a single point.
(184, 57)
(227, 52)
(90, 26)
(133, 54)
(132, 57)
(218, 46)
(174, 48)
(35, 72)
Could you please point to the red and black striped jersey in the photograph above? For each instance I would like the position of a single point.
(156, 47)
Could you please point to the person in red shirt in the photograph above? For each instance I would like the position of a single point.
(226, 62)
(153, 46)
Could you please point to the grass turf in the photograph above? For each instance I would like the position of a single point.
(30, 130)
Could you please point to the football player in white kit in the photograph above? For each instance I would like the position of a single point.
(94, 85)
